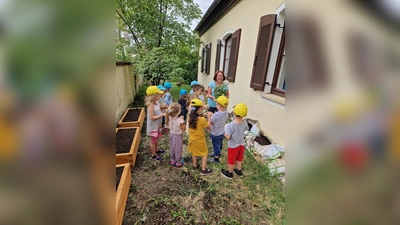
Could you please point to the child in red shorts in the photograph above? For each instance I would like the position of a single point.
(234, 132)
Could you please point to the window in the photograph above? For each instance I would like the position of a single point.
(228, 43)
(278, 83)
(218, 55)
(206, 58)
(231, 64)
(203, 64)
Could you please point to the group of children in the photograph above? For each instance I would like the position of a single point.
(175, 115)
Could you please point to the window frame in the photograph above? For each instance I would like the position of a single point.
(203, 59)
(278, 66)
(226, 49)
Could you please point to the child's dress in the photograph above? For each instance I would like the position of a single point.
(152, 128)
(176, 140)
(197, 140)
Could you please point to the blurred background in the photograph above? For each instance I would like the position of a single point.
(343, 112)
(57, 110)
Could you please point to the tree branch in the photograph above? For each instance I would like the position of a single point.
(130, 28)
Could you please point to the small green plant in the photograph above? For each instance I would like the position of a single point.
(220, 90)
(227, 221)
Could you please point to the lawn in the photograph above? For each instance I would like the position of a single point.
(162, 194)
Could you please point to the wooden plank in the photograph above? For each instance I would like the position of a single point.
(138, 123)
(135, 145)
(122, 192)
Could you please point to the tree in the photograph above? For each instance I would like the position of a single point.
(160, 39)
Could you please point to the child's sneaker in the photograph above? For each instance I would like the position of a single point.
(206, 172)
(155, 157)
(214, 160)
(196, 168)
(160, 151)
(238, 172)
(226, 174)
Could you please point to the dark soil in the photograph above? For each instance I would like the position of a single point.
(119, 174)
(124, 139)
(250, 125)
(132, 115)
(262, 140)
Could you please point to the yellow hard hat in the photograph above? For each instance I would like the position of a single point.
(240, 110)
(222, 100)
(153, 90)
(196, 102)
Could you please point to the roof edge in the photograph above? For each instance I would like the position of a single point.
(216, 10)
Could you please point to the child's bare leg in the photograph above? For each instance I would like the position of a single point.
(204, 162)
(230, 168)
(152, 149)
(194, 159)
(239, 165)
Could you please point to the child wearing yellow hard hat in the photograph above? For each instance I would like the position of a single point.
(154, 120)
(234, 132)
(217, 124)
(197, 140)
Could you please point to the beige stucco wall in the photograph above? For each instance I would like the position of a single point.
(125, 89)
(246, 15)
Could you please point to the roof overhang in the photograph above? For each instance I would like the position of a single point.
(217, 9)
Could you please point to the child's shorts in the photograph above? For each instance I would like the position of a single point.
(155, 135)
(235, 154)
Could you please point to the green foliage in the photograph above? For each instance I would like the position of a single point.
(157, 38)
(175, 91)
(219, 90)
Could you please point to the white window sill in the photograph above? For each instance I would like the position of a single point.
(275, 98)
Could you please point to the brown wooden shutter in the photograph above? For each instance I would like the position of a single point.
(202, 60)
(263, 51)
(233, 57)
(208, 58)
(218, 55)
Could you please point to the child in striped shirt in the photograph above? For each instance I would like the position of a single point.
(217, 123)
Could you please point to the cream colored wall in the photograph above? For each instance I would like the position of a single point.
(246, 15)
(125, 89)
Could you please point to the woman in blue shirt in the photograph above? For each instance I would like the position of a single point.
(218, 79)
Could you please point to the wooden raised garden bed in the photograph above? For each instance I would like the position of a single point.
(133, 117)
(127, 143)
(123, 182)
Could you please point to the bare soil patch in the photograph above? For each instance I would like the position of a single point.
(119, 171)
(132, 115)
(124, 139)
(262, 140)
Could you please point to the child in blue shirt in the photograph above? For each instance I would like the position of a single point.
(168, 100)
(217, 124)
